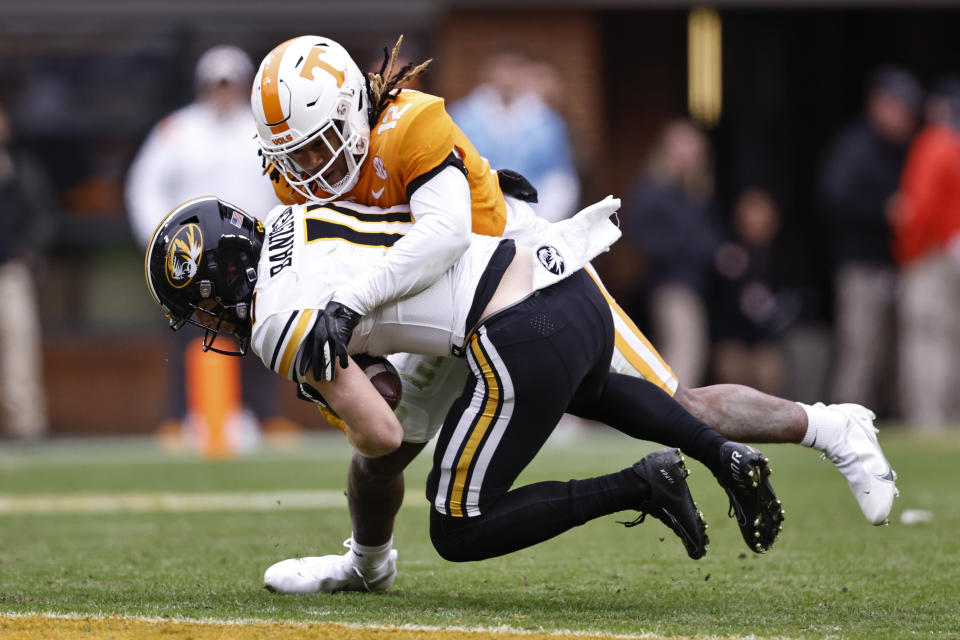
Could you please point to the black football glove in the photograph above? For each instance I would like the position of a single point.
(328, 341)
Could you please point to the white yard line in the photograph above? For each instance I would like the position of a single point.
(180, 502)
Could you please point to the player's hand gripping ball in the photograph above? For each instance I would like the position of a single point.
(383, 376)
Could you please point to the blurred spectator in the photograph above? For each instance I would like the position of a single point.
(205, 148)
(927, 246)
(514, 127)
(750, 310)
(671, 220)
(26, 228)
(858, 185)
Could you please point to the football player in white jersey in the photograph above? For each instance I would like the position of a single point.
(534, 328)
(309, 99)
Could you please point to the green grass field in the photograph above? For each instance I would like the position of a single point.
(830, 574)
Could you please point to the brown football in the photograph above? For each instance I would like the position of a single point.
(383, 376)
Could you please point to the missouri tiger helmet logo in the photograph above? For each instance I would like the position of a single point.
(183, 255)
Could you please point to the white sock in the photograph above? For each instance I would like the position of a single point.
(824, 426)
(366, 557)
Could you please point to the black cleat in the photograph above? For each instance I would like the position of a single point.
(745, 476)
(670, 500)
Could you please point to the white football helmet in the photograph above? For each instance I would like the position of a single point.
(306, 89)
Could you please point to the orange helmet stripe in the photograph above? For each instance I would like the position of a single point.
(270, 89)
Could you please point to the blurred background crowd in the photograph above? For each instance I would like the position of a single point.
(790, 176)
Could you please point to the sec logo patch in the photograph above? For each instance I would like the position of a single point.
(378, 168)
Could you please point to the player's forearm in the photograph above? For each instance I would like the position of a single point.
(370, 424)
(441, 208)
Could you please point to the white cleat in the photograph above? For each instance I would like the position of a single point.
(329, 574)
(858, 456)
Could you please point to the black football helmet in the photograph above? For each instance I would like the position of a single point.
(206, 250)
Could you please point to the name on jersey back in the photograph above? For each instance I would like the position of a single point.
(280, 238)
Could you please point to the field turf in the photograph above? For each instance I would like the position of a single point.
(830, 574)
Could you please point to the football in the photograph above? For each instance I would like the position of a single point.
(383, 376)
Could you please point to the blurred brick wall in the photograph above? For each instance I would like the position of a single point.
(569, 40)
(114, 386)
(106, 385)
(623, 74)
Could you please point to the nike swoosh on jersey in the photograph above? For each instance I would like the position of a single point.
(378, 192)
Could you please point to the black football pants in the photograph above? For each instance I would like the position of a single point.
(530, 363)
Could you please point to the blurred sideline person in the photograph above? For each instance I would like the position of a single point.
(513, 126)
(672, 222)
(377, 144)
(538, 341)
(26, 211)
(858, 185)
(749, 307)
(205, 147)
(927, 246)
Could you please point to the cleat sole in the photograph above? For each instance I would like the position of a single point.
(753, 501)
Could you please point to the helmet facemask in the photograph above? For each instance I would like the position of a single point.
(336, 139)
(237, 315)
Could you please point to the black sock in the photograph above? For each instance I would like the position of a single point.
(643, 410)
(595, 497)
(531, 514)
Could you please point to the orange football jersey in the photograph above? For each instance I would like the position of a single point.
(412, 137)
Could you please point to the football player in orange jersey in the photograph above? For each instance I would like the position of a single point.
(327, 132)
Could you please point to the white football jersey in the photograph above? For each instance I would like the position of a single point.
(310, 250)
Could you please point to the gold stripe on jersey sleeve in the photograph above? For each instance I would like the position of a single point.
(491, 408)
(293, 345)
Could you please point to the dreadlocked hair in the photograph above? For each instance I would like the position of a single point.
(382, 84)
